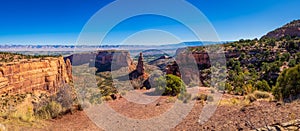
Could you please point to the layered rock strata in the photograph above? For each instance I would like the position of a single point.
(40, 74)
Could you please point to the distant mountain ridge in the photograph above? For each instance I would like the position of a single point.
(291, 29)
(72, 48)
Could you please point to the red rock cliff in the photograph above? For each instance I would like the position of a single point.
(104, 60)
(46, 74)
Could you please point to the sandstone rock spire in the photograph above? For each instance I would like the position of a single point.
(140, 66)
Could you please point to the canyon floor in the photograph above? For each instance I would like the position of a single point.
(231, 114)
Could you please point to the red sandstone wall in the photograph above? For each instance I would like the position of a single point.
(46, 74)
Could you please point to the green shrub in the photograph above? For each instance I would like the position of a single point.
(263, 86)
(170, 85)
(228, 87)
(238, 91)
(206, 83)
(288, 84)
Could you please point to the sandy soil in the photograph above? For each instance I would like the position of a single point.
(226, 117)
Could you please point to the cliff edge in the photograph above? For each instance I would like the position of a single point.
(39, 74)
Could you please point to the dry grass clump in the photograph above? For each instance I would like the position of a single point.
(184, 97)
(171, 99)
(234, 102)
(251, 98)
(106, 98)
(210, 98)
(21, 114)
(204, 97)
(261, 94)
(51, 110)
(200, 96)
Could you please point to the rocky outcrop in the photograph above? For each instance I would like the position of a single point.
(188, 63)
(291, 29)
(140, 66)
(289, 126)
(69, 68)
(138, 77)
(173, 69)
(107, 60)
(40, 74)
(81, 58)
(112, 60)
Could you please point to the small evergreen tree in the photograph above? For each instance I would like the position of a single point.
(288, 84)
(170, 85)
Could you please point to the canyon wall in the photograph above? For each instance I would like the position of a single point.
(40, 74)
(188, 64)
(105, 60)
(113, 60)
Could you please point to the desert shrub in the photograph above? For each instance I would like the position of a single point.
(65, 96)
(193, 84)
(251, 98)
(29, 115)
(238, 91)
(206, 83)
(123, 93)
(185, 97)
(107, 90)
(212, 90)
(235, 101)
(83, 105)
(221, 86)
(263, 86)
(261, 95)
(51, 110)
(228, 87)
(200, 97)
(105, 83)
(288, 84)
(171, 99)
(170, 85)
(24, 113)
(292, 63)
(248, 88)
(95, 98)
(137, 83)
(210, 98)
(106, 98)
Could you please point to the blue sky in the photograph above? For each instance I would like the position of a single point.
(60, 21)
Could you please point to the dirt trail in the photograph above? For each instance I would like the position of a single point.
(226, 117)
